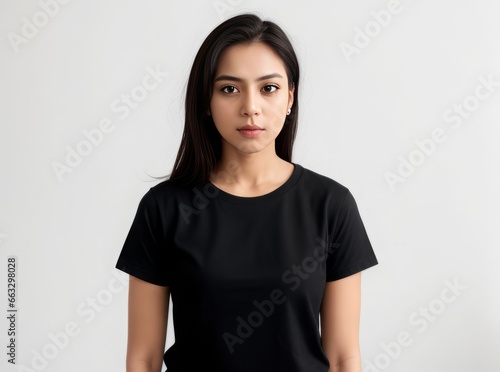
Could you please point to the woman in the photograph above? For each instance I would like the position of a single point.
(252, 247)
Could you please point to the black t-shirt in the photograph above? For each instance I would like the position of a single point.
(247, 274)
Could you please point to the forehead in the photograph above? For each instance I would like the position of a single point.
(249, 60)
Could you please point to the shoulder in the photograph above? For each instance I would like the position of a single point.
(168, 189)
(168, 194)
(323, 185)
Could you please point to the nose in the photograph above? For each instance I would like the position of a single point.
(250, 105)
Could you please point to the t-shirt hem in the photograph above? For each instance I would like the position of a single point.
(139, 273)
(353, 269)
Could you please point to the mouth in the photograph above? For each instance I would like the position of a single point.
(250, 127)
(251, 131)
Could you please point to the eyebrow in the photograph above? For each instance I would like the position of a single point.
(234, 78)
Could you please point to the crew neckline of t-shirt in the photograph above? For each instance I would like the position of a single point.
(276, 193)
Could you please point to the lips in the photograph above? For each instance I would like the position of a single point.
(250, 127)
(251, 131)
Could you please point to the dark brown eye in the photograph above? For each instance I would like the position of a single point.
(270, 88)
(229, 89)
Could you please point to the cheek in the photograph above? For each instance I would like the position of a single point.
(221, 113)
(277, 108)
(220, 107)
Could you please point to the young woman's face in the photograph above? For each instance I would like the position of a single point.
(250, 88)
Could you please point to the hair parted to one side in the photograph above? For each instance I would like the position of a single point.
(201, 146)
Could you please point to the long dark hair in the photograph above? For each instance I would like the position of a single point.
(201, 145)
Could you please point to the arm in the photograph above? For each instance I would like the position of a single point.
(340, 313)
(147, 325)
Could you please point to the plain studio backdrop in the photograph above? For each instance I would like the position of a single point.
(400, 102)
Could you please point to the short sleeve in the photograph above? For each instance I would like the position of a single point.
(351, 250)
(144, 253)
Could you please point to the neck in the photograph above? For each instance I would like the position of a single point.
(248, 169)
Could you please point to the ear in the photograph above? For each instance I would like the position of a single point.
(290, 95)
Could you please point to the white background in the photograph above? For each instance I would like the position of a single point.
(360, 117)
